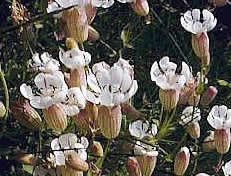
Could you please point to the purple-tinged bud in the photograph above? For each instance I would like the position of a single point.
(141, 7)
(133, 167)
(26, 158)
(2, 110)
(181, 161)
(222, 140)
(75, 162)
(193, 130)
(96, 149)
(208, 96)
(93, 34)
(130, 111)
(208, 143)
(219, 3)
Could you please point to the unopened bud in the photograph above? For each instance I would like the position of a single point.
(25, 158)
(2, 110)
(219, 3)
(133, 167)
(93, 34)
(208, 143)
(109, 120)
(208, 96)
(96, 149)
(75, 162)
(193, 130)
(55, 117)
(141, 7)
(169, 98)
(200, 44)
(181, 161)
(26, 115)
(222, 140)
(130, 111)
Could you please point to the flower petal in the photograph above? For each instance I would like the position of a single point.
(26, 91)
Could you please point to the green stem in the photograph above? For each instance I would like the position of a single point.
(100, 161)
(196, 159)
(2, 78)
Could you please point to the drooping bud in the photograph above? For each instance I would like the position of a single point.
(76, 24)
(93, 34)
(193, 130)
(222, 140)
(55, 117)
(208, 143)
(109, 120)
(181, 161)
(96, 149)
(75, 162)
(26, 115)
(169, 98)
(133, 167)
(208, 96)
(219, 3)
(25, 158)
(200, 45)
(141, 7)
(2, 110)
(130, 111)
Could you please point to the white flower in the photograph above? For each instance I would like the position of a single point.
(192, 22)
(220, 117)
(102, 3)
(74, 101)
(68, 141)
(227, 168)
(51, 89)
(110, 85)
(190, 115)
(44, 63)
(144, 149)
(139, 129)
(61, 4)
(41, 171)
(165, 77)
(202, 174)
(74, 58)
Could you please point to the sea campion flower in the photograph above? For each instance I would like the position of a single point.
(190, 118)
(109, 87)
(181, 161)
(68, 141)
(227, 168)
(76, 60)
(133, 167)
(44, 63)
(139, 129)
(220, 119)
(170, 83)
(192, 22)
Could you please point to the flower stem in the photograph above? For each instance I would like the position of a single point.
(2, 79)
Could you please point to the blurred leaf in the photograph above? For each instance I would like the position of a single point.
(224, 83)
(28, 168)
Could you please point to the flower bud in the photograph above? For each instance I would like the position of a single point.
(200, 44)
(67, 171)
(130, 111)
(76, 163)
(96, 149)
(141, 7)
(208, 143)
(208, 96)
(25, 158)
(219, 3)
(222, 140)
(55, 117)
(82, 122)
(2, 110)
(181, 161)
(169, 98)
(76, 24)
(109, 120)
(147, 164)
(93, 34)
(133, 167)
(193, 129)
(194, 99)
(26, 115)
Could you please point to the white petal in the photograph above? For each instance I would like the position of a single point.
(26, 91)
(72, 138)
(188, 16)
(196, 14)
(214, 121)
(127, 82)
(106, 97)
(197, 27)
(84, 142)
(186, 72)
(138, 128)
(93, 84)
(117, 98)
(222, 112)
(55, 144)
(103, 77)
(59, 158)
(131, 91)
(186, 25)
(100, 67)
(154, 129)
(116, 75)
(70, 110)
(64, 141)
(40, 102)
(90, 96)
(76, 97)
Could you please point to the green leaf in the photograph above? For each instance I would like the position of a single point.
(28, 168)
(223, 83)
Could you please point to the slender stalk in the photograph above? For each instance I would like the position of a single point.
(6, 93)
